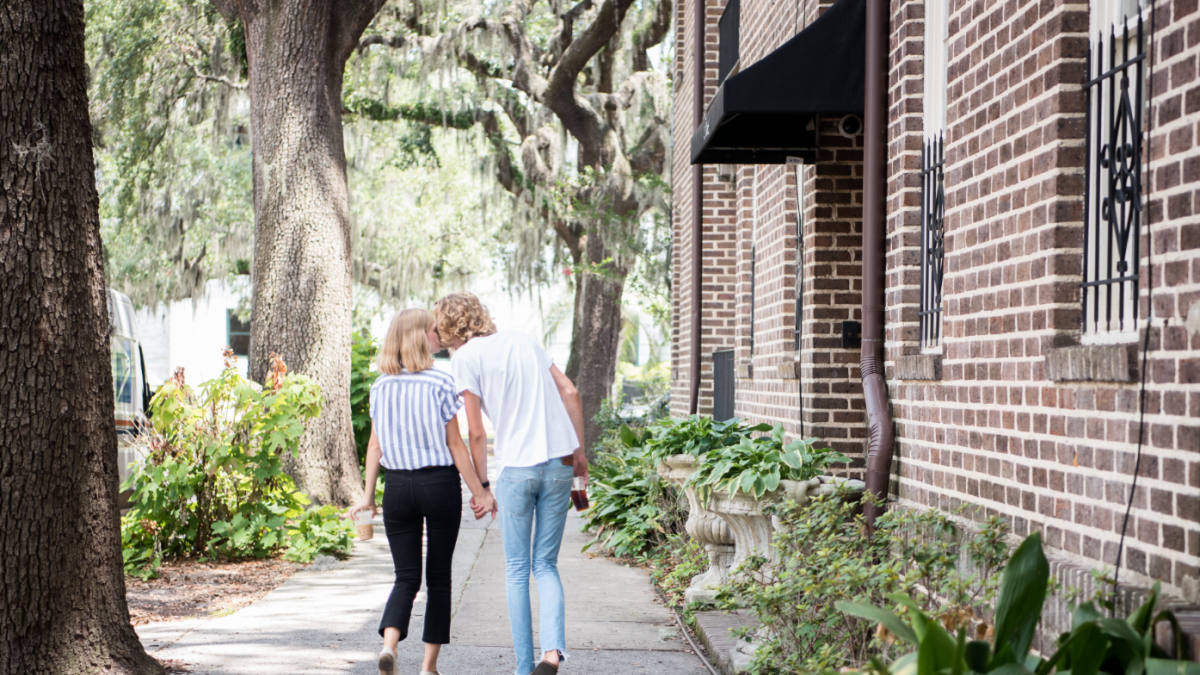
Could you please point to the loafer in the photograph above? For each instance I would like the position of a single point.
(387, 662)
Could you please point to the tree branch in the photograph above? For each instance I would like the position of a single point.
(650, 34)
(583, 121)
(565, 32)
(350, 19)
(213, 78)
(395, 42)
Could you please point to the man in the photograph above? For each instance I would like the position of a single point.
(538, 420)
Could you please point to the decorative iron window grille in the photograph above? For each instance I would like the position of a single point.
(798, 311)
(1113, 186)
(729, 39)
(933, 240)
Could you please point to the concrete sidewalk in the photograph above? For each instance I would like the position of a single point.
(325, 621)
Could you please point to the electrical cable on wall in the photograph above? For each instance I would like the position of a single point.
(1137, 461)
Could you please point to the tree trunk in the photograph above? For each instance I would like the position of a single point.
(62, 607)
(595, 338)
(302, 290)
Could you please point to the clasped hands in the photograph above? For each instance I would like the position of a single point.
(483, 504)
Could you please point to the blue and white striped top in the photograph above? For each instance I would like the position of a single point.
(410, 412)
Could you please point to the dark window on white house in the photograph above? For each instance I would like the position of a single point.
(728, 33)
(237, 333)
(1113, 188)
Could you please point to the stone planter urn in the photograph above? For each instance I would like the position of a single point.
(706, 528)
(752, 529)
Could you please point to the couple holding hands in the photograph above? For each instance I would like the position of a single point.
(538, 422)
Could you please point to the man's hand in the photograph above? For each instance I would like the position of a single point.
(486, 503)
(581, 464)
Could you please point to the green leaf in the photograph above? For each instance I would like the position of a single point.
(1010, 669)
(1085, 613)
(1140, 619)
(1088, 648)
(889, 620)
(1022, 593)
(976, 655)
(1170, 667)
(629, 438)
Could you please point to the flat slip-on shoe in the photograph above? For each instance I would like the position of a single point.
(545, 668)
(387, 663)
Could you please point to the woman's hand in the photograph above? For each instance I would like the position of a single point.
(484, 503)
(361, 506)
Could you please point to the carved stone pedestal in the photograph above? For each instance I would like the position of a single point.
(706, 528)
(752, 529)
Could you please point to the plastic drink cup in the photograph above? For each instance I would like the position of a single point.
(579, 493)
(362, 521)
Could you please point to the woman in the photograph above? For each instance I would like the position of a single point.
(415, 437)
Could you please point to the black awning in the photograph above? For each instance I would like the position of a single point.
(768, 112)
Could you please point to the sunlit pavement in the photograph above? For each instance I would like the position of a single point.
(326, 621)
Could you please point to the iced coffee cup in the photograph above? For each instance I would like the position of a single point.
(362, 521)
(579, 493)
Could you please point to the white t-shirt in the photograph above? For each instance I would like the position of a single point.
(510, 373)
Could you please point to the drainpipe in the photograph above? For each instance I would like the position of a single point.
(879, 415)
(697, 201)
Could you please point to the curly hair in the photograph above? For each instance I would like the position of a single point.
(461, 316)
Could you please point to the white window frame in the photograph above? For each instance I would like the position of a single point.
(937, 34)
(1107, 18)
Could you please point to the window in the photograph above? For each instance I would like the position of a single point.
(933, 241)
(723, 386)
(798, 311)
(933, 183)
(1112, 190)
(237, 333)
(753, 269)
(937, 32)
(729, 36)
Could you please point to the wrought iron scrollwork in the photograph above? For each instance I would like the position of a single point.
(933, 240)
(1113, 189)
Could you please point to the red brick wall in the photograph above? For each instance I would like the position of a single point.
(992, 431)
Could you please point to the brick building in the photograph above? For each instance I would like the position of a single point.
(1023, 258)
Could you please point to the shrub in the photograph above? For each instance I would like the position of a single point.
(675, 564)
(363, 348)
(212, 481)
(632, 510)
(1095, 643)
(825, 557)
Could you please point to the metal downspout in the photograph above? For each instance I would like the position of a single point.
(879, 414)
(697, 202)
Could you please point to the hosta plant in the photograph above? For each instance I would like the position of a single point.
(756, 464)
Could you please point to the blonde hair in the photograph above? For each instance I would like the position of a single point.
(405, 346)
(461, 316)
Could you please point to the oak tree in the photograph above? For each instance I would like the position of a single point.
(62, 603)
(302, 299)
(543, 71)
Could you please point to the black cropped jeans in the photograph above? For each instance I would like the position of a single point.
(429, 497)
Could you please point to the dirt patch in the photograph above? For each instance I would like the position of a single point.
(189, 589)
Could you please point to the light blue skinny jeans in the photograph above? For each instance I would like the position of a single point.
(533, 512)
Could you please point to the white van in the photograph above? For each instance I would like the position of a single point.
(130, 389)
